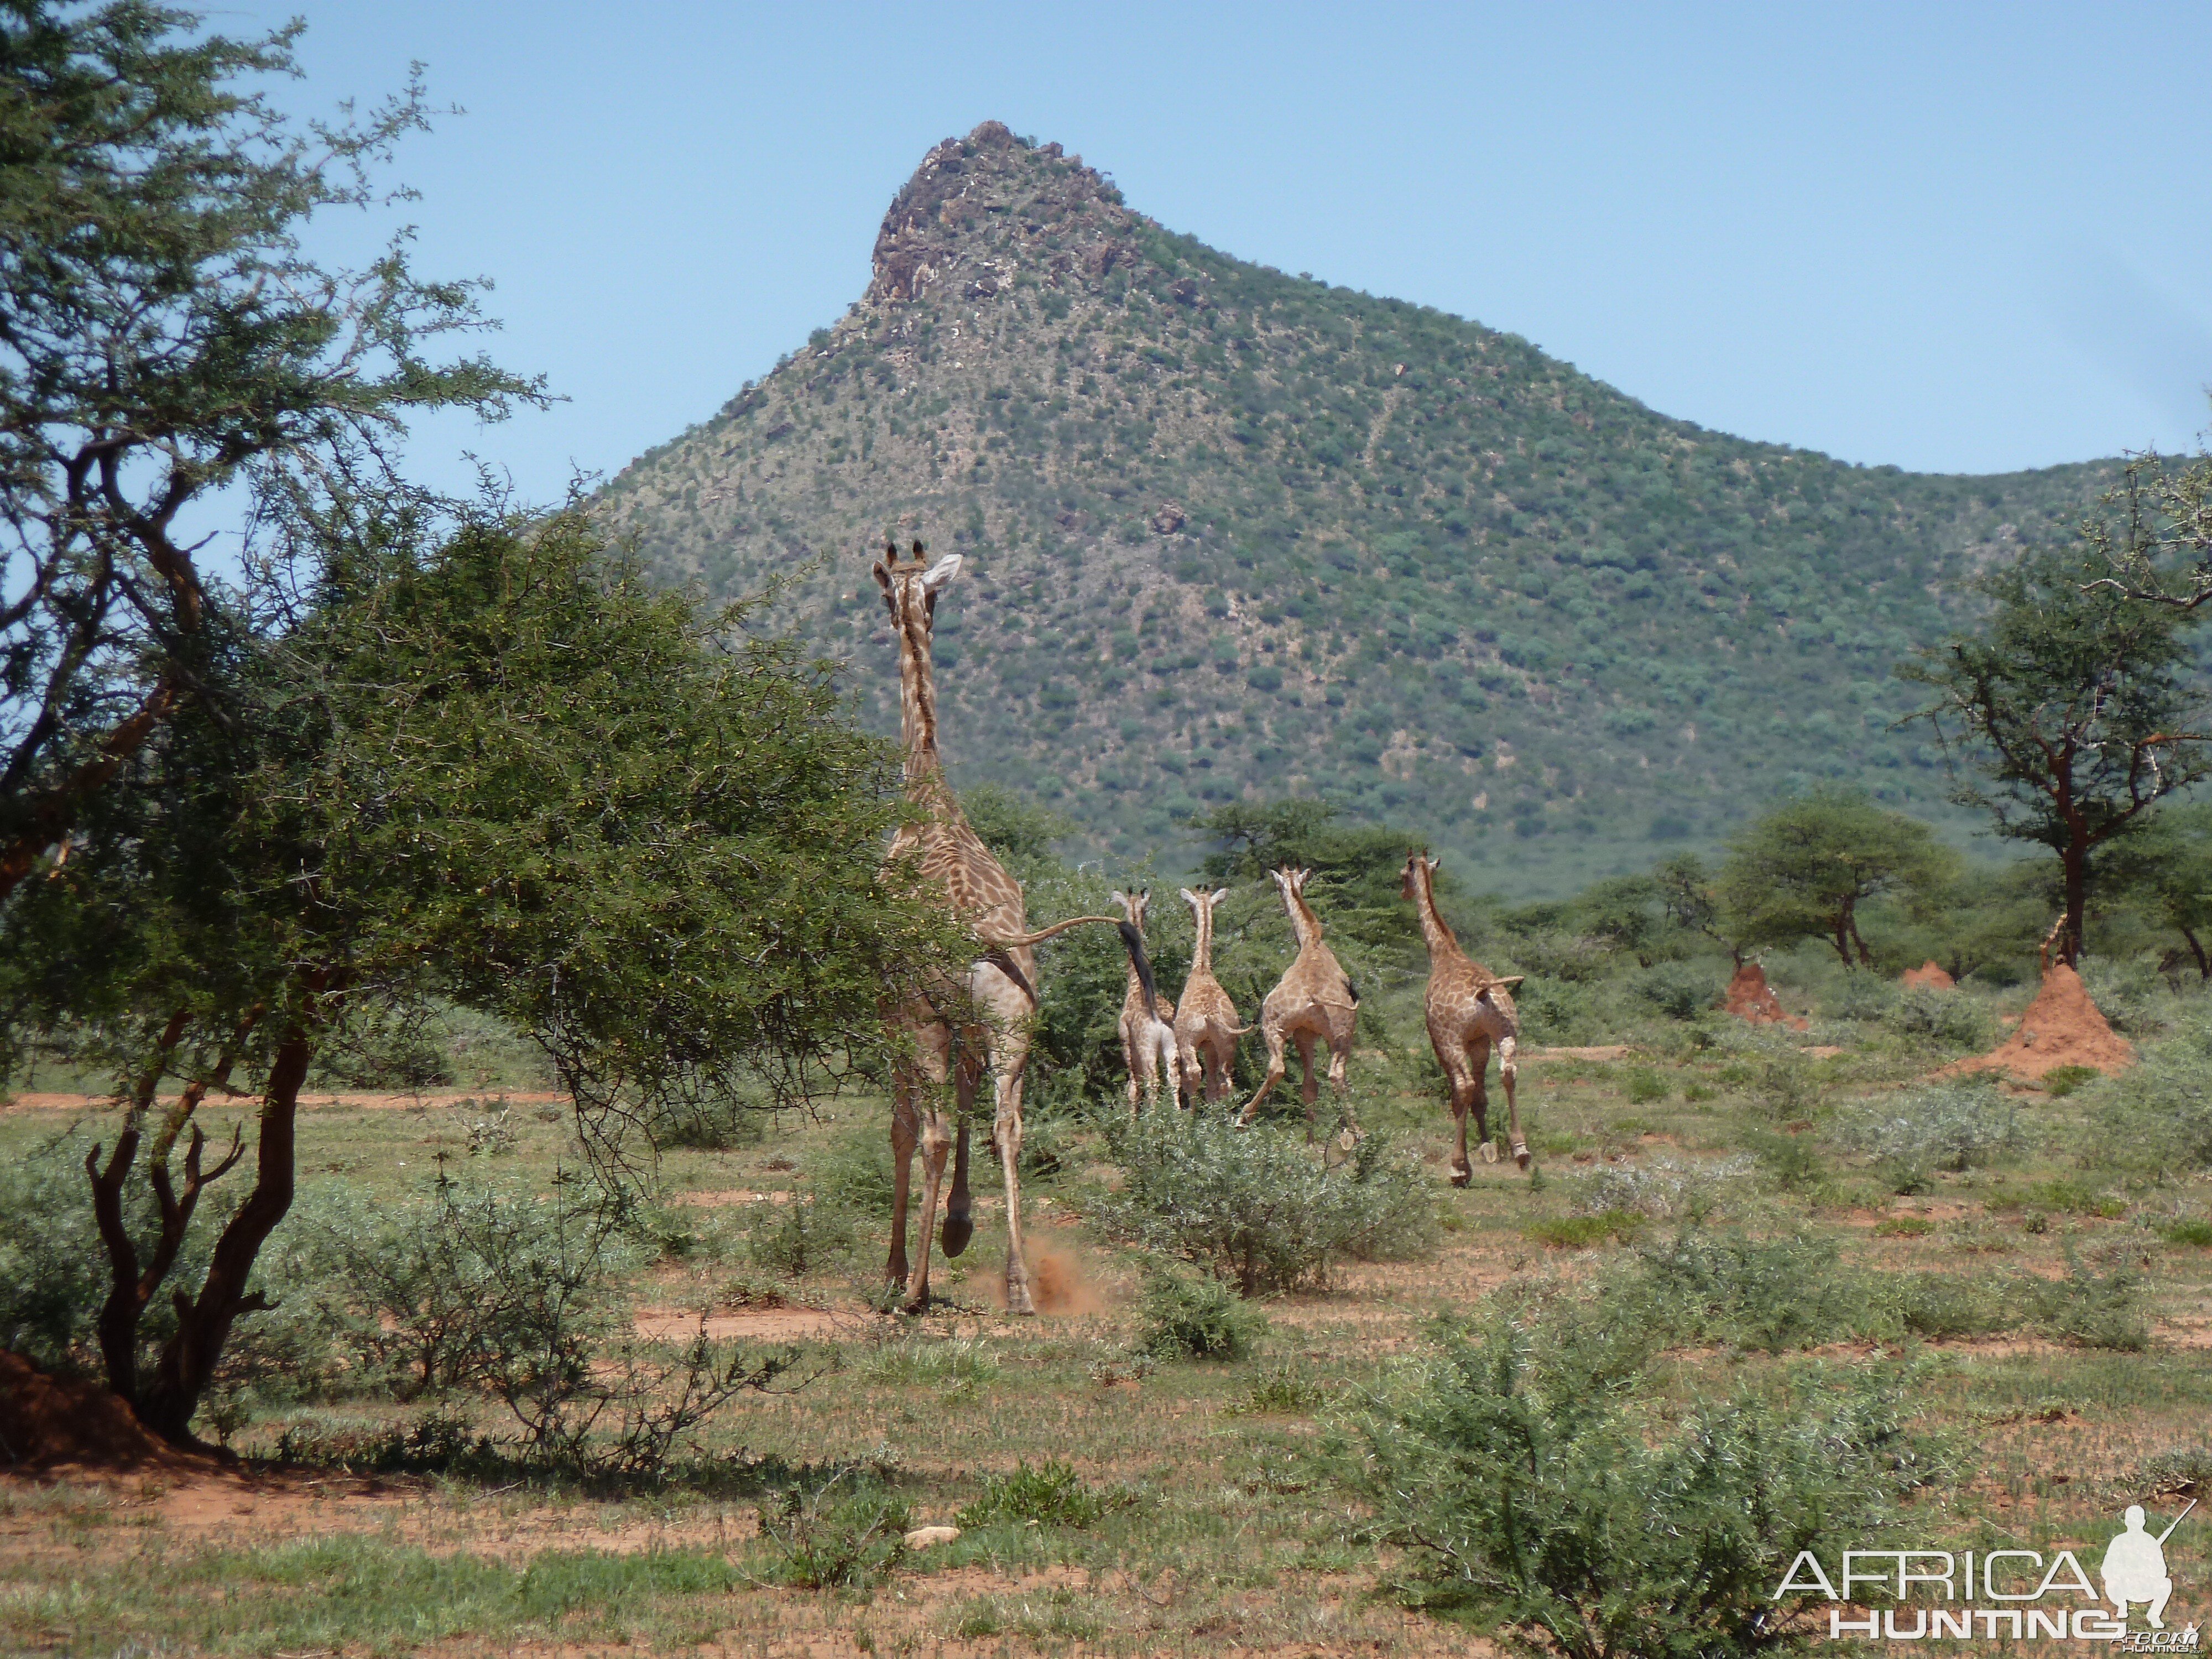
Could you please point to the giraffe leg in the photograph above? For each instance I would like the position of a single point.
(959, 1224)
(1478, 1063)
(1507, 1049)
(1339, 1057)
(936, 1142)
(906, 1130)
(1006, 1129)
(1459, 1094)
(1309, 1085)
(1130, 1060)
(1272, 1031)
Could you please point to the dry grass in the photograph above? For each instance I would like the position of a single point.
(1231, 1541)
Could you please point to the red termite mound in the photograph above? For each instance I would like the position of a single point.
(1750, 997)
(2061, 1027)
(46, 1420)
(1929, 974)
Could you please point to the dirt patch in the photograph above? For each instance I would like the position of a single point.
(49, 1421)
(1603, 1051)
(1751, 998)
(2061, 1027)
(747, 1324)
(1929, 974)
(349, 1101)
(725, 1198)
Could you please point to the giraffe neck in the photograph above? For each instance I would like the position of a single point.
(1201, 955)
(1303, 922)
(924, 768)
(1435, 931)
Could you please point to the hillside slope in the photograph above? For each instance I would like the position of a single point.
(1235, 532)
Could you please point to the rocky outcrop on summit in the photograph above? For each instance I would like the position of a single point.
(1234, 532)
(979, 208)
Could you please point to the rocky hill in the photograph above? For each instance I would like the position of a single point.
(1236, 533)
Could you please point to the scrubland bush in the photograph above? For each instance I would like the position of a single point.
(1260, 1209)
(2157, 1116)
(847, 1535)
(1658, 1189)
(1051, 1494)
(1187, 1316)
(1535, 1485)
(1950, 1126)
(1954, 1019)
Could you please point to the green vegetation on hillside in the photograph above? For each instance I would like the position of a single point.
(1237, 534)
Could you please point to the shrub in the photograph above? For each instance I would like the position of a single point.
(1051, 1494)
(2157, 1115)
(1283, 1391)
(1660, 1190)
(1578, 1232)
(2184, 1471)
(2061, 1081)
(2195, 1231)
(831, 1539)
(1771, 1294)
(1184, 1316)
(1940, 1126)
(797, 1239)
(1258, 1208)
(1679, 990)
(1535, 1486)
(1952, 1018)
(958, 1369)
(1645, 1085)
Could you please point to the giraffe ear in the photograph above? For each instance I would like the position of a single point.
(1118, 896)
(1219, 894)
(940, 572)
(1189, 897)
(1433, 864)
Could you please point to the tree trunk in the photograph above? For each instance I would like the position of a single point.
(2197, 950)
(188, 1362)
(2074, 862)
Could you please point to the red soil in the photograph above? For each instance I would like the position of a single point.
(48, 1420)
(1930, 975)
(2061, 1027)
(1750, 997)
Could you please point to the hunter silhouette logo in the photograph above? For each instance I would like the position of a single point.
(2003, 1594)
(2134, 1567)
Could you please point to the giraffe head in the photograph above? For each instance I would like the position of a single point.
(1418, 876)
(910, 589)
(1133, 906)
(1203, 903)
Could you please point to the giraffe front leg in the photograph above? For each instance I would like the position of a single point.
(1273, 1033)
(1309, 1083)
(1006, 1129)
(936, 1142)
(959, 1222)
(1507, 1050)
(906, 1131)
(1461, 1094)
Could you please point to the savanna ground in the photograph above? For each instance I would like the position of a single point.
(1200, 1515)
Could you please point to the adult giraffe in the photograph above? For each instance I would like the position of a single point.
(956, 1028)
(1314, 999)
(1470, 1008)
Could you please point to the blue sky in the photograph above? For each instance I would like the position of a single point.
(1957, 238)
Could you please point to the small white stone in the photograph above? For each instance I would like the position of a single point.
(922, 1537)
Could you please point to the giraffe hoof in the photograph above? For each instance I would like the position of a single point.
(1017, 1301)
(1489, 1154)
(1521, 1155)
(956, 1231)
(1461, 1175)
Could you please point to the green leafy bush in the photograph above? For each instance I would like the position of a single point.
(1936, 1126)
(2157, 1116)
(1535, 1484)
(1187, 1316)
(1260, 1209)
(1050, 1494)
(833, 1540)
(1952, 1018)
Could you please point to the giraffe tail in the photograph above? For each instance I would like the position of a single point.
(1134, 942)
(1014, 941)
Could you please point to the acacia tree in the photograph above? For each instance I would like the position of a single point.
(162, 336)
(2158, 546)
(1804, 869)
(2169, 873)
(502, 771)
(2069, 715)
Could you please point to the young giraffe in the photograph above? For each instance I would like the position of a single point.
(956, 1029)
(1468, 1009)
(1315, 998)
(1205, 1025)
(1148, 1038)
